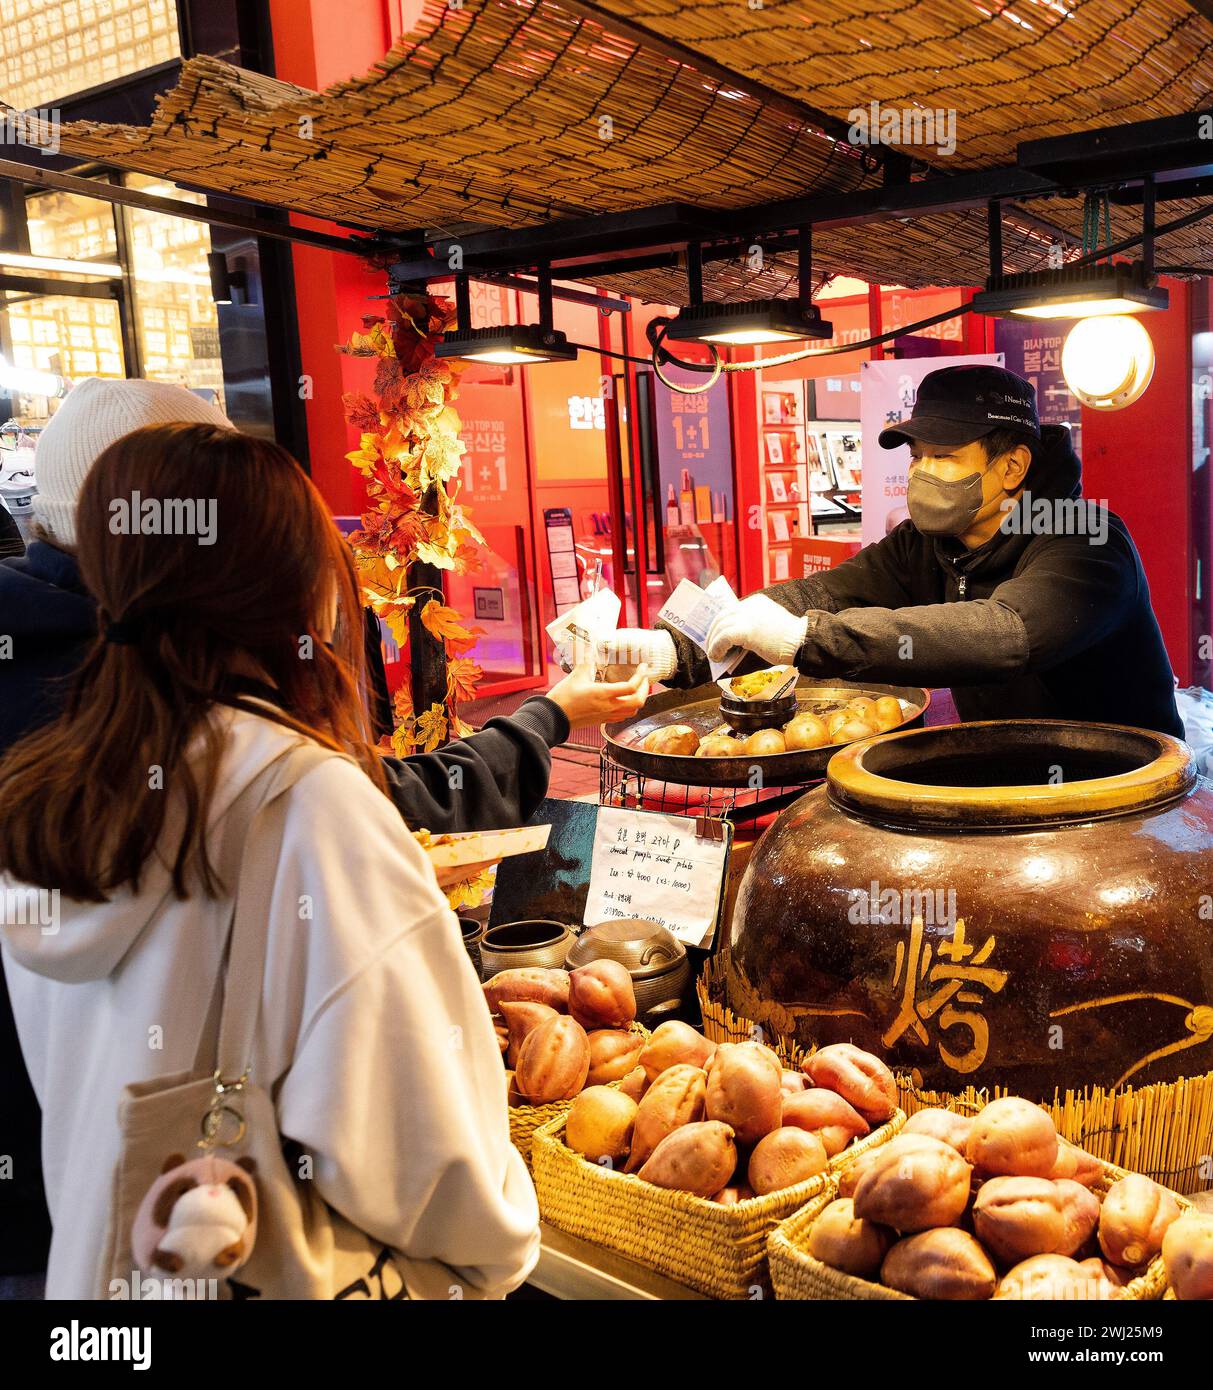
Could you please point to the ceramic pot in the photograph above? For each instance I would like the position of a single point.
(1024, 904)
(515, 944)
(472, 932)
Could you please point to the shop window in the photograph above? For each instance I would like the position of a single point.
(70, 226)
(176, 321)
(49, 50)
(70, 336)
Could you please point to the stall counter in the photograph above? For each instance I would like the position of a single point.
(572, 1268)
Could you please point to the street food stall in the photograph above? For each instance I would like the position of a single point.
(819, 1002)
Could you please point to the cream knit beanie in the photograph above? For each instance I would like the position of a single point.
(93, 415)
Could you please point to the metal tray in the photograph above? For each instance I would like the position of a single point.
(700, 708)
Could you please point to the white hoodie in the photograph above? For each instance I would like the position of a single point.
(373, 1036)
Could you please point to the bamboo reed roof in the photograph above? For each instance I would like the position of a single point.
(508, 113)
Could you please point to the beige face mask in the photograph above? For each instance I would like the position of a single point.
(942, 506)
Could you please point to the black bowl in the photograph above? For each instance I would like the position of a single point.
(748, 716)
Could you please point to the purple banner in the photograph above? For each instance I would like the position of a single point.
(1032, 349)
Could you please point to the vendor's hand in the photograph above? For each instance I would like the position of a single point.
(631, 647)
(586, 701)
(760, 625)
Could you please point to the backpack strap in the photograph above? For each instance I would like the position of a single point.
(252, 841)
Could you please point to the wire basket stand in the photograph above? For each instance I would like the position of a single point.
(635, 791)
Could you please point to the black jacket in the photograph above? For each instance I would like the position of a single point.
(493, 779)
(10, 534)
(1051, 622)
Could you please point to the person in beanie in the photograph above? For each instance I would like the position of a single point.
(44, 608)
(1004, 583)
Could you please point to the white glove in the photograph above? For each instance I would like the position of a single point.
(627, 648)
(760, 625)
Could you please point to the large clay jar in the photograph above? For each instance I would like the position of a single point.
(1023, 904)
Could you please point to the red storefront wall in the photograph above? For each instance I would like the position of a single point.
(1139, 461)
(317, 43)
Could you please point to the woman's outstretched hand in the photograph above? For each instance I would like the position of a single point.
(586, 701)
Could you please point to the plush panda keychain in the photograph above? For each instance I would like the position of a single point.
(198, 1219)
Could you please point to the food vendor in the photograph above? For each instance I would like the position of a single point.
(1005, 584)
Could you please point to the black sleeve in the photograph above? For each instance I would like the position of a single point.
(11, 543)
(872, 578)
(376, 677)
(491, 780)
(1068, 597)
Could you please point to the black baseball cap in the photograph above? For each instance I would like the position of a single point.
(956, 405)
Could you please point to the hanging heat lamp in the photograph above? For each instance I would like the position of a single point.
(517, 344)
(754, 321)
(1077, 291)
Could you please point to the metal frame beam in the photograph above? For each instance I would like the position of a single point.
(580, 243)
(1168, 145)
(40, 285)
(195, 212)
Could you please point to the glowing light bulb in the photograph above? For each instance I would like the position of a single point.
(1108, 361)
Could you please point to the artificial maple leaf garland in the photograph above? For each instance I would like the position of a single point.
(410, 453)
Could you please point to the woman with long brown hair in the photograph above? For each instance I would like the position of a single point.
(229, 621)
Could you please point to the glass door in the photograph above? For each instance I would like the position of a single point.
(682, 481)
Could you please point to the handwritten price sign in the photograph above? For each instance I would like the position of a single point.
(655, 867)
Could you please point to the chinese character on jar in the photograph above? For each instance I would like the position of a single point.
(960, 972)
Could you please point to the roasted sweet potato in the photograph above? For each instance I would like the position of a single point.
(673, 1044)
(913, 1185)
(613, 1053)
(675, 1099)
(698, 1158)
(1015, 1218)
(785, 1157)
(824, 1113)
(858, 1077)
(553, 1061)
(549, 987)
(1133, 1220)
(601, 995)
(944, 1263)
(599, 1124)
(1080, 1207)
(1012, 1137)
(1053, 1278)
(844, 1241)
(1187, 1253)
(944, 1125)
(521, 1015)
(745, 1092)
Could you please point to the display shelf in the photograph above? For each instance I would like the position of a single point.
(784, 455)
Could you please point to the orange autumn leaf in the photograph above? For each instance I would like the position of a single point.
(360, 410)
(431, 728)
(404, 738)
(402, 703)
(462, 677)
(447, 625)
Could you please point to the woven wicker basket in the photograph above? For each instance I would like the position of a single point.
(797, 1275)
(718, 1250)
(526, 1119)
